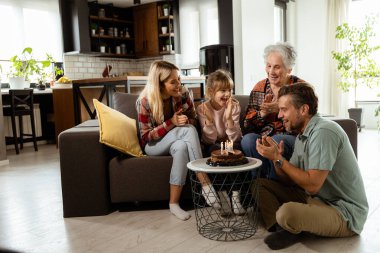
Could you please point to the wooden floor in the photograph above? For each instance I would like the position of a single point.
(31, 215)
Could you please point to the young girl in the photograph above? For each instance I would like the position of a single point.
(219, 118)
(166, 118)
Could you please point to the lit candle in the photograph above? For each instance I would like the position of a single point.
(230, 147)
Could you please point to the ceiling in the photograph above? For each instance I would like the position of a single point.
(124, 3)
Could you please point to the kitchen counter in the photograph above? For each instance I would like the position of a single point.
(189, 81)
(100, 80)
(183, 78)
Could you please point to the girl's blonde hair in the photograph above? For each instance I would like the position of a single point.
(218, 80)
(159, 73)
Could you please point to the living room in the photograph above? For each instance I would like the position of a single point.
(30, 185)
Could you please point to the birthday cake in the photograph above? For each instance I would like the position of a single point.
(227, 156)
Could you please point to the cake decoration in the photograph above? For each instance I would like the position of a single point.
(226, 156)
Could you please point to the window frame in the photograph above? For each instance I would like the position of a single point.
(282, 4)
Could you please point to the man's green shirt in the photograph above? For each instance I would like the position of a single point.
(325, 146)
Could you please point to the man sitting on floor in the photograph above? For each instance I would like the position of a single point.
(321, 189)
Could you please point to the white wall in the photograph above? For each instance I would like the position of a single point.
(198, 27)
(253, 30)
(310, 42)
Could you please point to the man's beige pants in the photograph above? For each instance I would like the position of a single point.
(296, 211)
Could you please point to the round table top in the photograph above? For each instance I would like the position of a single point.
(201, 166)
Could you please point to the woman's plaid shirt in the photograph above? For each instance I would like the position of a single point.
(150, 130)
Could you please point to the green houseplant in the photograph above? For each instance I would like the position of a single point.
(44, 73)
(22, 67)
(165, 8)
(25, 66)
(93, 29)
(356, 64)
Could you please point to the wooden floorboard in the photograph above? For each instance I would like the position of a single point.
(31, 215)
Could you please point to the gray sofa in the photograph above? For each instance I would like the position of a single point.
(96, 178)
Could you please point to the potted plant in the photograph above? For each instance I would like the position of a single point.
(22, 67)
(168, 46)
(164, 29)
(102, 47)
(165, 8)
(25, 66)
(93, 29)
(44, 72)
(355, 63)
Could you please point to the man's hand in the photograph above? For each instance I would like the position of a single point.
(179, 119)
(269, 148)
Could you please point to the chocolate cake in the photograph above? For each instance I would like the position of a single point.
(227, 158)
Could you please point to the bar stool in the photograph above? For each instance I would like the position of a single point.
(21, 104)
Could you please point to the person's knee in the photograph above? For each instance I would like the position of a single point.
(191, 131)
(178, 146)
(288, 214)
(190, 127)
(249, 138)
(249, 142)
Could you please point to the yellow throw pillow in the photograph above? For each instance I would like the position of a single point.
(117, 130)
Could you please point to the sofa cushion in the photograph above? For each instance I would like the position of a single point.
(117, 130)
(243, 101)
(125, 103)
(141, 179)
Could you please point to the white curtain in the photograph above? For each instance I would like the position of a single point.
(198, 28)
(26, 23)
(337, 15)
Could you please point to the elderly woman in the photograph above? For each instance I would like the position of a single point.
(261, 118)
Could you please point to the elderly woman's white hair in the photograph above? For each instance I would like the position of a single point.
(286, 50)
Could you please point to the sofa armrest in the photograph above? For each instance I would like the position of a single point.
(84, 175)
(351, 129)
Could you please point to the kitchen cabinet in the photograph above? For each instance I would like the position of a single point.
(111, 30)
(96, 29)
(80, 17)
(146, 34)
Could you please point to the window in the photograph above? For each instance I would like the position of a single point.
(199, 27)
(34, 24)
(280, 20)
(357, 13)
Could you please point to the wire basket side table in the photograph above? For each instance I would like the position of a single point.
(233, 185)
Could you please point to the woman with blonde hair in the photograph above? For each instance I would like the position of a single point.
(166, 118)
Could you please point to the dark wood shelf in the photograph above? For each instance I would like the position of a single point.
(116, 55)
(110, 37)
(165, 17)
(166, 35)
(115, 20)
(167, 52)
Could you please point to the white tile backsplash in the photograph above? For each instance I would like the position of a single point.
(81, 66)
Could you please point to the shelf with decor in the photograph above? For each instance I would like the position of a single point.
(111, 30)
(166, 26)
